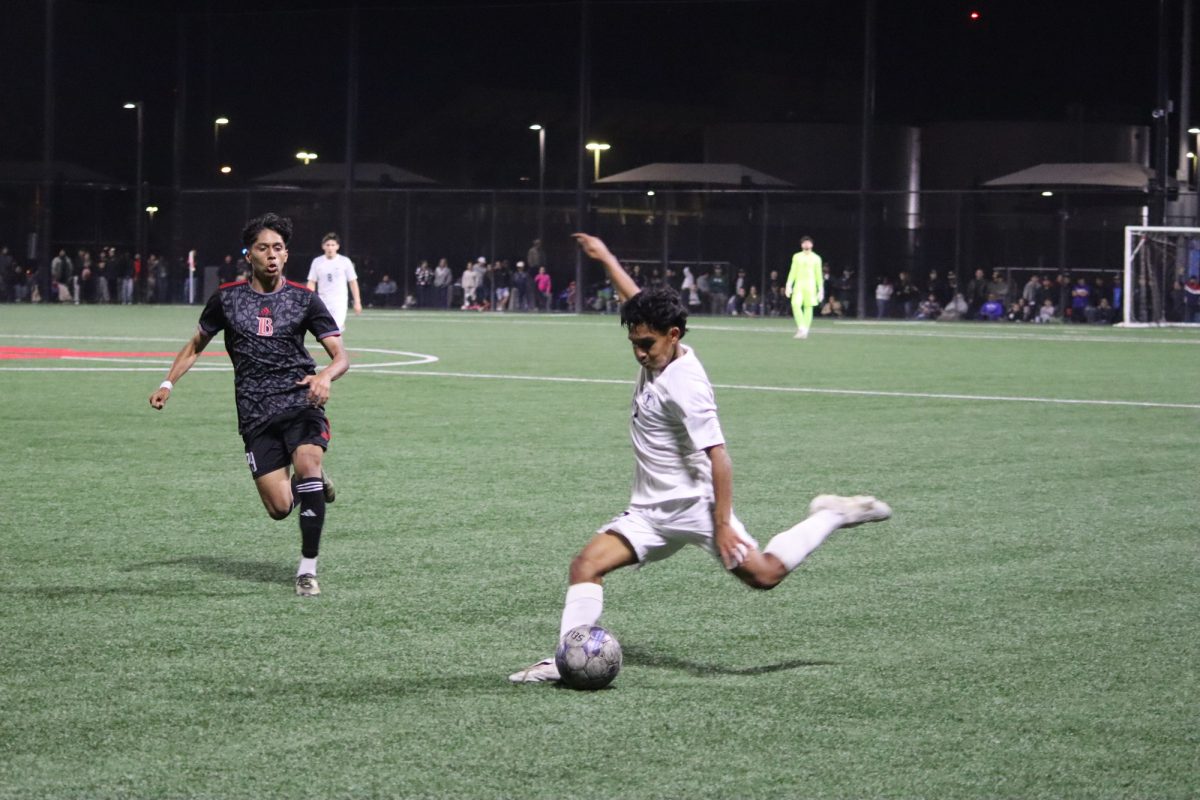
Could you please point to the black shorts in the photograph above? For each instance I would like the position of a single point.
(271, 447)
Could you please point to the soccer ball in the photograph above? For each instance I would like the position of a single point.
(588, 657)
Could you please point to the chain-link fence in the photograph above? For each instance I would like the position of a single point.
(389, 231)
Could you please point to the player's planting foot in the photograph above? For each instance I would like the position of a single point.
(542, 672)
(327, 485)
(801, 334)
(307, 586)
(856, 510)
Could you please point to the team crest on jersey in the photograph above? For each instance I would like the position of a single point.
(265, 325)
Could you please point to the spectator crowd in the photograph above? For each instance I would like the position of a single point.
(113, 275)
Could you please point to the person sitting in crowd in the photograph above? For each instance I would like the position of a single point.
(385, 292)
(929, 308)
(992, 309)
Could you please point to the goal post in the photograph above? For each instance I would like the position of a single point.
(1159, 262)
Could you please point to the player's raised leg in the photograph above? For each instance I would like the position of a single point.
(786, 550)
(584, 603)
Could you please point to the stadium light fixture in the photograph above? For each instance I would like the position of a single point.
(597, 148)
(226, 169)
(136, 105)
(218, 123)
(1047, 193)
(151, 210)
(306, 156)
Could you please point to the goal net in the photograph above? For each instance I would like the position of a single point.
(1159, 263)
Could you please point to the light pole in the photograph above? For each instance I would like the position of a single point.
(150, 212)
(306, 156)
(1194, 155)
(541, 214)
(137, 204)
(597, 148)
(218, 123)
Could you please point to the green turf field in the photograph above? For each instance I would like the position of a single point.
(1025, 626)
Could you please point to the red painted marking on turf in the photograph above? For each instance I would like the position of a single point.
(9, 353)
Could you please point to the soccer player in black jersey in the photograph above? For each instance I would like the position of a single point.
(280, 395)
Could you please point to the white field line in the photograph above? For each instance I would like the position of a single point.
(387, 369)
(925, 330)
(922, 330)
(798, 390)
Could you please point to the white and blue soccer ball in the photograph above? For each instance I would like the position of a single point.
(588, 657)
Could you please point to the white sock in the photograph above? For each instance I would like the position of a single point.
(793, 545)
(584, 603)
(308, 566)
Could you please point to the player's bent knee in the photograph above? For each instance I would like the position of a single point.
(584, 570)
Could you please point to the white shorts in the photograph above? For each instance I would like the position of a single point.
(655, 532)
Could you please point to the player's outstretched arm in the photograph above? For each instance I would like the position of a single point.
(318, 385)
(183, 362)
(595, 248)
(730, 546)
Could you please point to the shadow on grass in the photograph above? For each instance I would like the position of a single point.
(647, 658)
(257, 571)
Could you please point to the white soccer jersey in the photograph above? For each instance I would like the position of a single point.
(331, 276)
(674, 418)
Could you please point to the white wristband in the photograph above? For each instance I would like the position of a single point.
(166, 385)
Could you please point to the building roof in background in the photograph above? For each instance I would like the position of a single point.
(1113, 175)
(334, 174)
(707, 174)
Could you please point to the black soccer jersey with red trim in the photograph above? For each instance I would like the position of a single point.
(264, 336)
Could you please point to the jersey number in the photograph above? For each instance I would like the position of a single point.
(265, 327)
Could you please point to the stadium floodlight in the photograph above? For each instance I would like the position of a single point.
(136, 105)
(306, 156)
(597, 148)
(226, 169)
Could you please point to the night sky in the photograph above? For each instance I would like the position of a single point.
(448, 89)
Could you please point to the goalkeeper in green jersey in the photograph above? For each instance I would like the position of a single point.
(805, 286)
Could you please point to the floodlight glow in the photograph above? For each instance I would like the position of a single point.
(130, 105)
(1047, 194)
(535, 127)
(221, 121)
(226, 170)
(1193, 130)
(650, 193)
(306, 156)
(594, 146)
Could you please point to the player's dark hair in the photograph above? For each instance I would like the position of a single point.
(268, 221)
(804, 239)
(658, 308)
(330, 237)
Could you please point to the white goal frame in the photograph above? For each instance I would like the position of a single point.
(1127, 293)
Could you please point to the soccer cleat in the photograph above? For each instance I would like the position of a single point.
(856, 510)
(327, 486)
(307, 586)
(801, 334)
(543, 671)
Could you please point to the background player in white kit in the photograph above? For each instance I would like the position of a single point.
(330, 275)
(683, 478)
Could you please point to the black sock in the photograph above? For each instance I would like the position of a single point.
(310, 495)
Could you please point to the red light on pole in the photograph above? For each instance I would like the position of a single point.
(974, 15)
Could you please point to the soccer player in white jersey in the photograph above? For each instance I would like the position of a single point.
(683, 478)
(330, 275)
